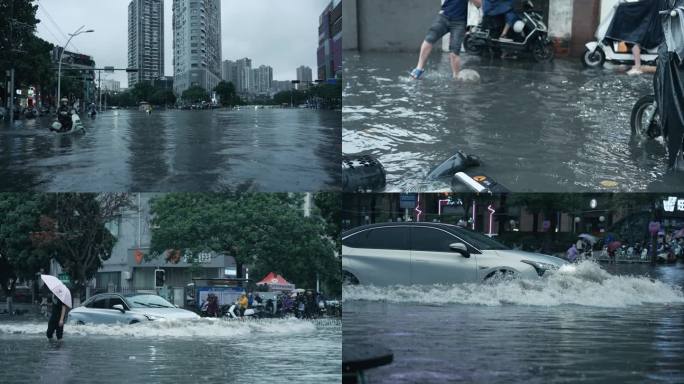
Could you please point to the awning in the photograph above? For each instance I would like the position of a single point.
(276, 282)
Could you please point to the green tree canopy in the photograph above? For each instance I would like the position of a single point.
(195, 94)
(226, 91)
(19, 217)
(268, 232)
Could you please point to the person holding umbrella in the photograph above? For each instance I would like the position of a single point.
(61, 302)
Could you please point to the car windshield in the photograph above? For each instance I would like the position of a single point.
(479, 240)
(148, 301)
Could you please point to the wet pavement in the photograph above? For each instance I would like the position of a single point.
(624, 325)
(270, 150)
(537, 127)
(174, 352)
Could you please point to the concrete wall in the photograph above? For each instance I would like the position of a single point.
(560, 22)
(391, 26)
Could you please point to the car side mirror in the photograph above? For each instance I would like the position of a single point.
(119, 307)
(460, 248)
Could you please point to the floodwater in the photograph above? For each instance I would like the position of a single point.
(269, 150)
(582, 324)
(551, 127)
(174, 352)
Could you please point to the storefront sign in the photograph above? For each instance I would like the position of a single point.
(64, 278)
(407, 201)
(673, 204)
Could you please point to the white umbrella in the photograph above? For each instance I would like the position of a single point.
(587, 237)
(58, 288)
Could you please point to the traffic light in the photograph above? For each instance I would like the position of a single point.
(159, 278)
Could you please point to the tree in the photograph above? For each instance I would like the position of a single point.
(266, 231)
(72, 228)
(21, 49)
(163, 97)
(142, 91)
(19, 216)
(330, 209)
(195, 94)
(226, 91)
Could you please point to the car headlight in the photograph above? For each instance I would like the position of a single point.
(540, 267)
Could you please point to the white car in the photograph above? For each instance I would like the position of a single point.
(112, 308)
(432, 253)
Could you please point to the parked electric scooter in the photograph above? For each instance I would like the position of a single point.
(606, 49)
(530, 35)
(646, 121)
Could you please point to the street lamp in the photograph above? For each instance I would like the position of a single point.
(61, 55)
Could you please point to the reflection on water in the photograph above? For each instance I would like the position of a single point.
(585, 324)
(263, 150)
(537, 127)
(205, 350)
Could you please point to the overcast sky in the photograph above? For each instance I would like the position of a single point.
(282, 34)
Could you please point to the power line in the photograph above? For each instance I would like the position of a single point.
(66, 37)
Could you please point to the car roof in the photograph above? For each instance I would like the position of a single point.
(402, 223)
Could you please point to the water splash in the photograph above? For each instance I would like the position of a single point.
(202, 328)
(585, 284)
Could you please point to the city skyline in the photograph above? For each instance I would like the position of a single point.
(243, 32)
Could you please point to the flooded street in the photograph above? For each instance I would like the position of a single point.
(293, 150)
(165, 352)
(536, 127)
(585, 324)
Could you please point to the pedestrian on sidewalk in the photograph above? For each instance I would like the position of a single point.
(56, 322)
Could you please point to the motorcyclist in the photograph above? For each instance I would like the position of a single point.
(64, 115)
(92, 109)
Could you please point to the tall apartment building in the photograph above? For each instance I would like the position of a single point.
(145, 40)
(329, 52)
(196, 44)
(244, 76)
(111, 86)
(229, 72)
(304, 76)
(263, 78)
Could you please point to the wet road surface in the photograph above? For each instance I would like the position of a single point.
(270, 150)
(586, 326)
(174, 352)
(537, 127)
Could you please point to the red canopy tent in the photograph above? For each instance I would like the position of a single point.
(276, 282)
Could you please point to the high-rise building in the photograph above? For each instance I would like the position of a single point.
(244, 76)
(304, 76)
(229, 72)
(330, 41)
(196, 44)
(263, 78)
(111, 86)
(145, 40)
(281, 86)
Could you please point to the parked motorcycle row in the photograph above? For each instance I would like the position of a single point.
(530, 37)
(283, 306)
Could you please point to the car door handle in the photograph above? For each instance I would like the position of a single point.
(420, 261)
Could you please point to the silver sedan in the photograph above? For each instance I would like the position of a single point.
(112, 308)
(432, 253)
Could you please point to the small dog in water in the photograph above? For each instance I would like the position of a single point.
(468, 76)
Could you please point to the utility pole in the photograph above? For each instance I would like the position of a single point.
(11, 46)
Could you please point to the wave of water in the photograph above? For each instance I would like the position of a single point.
(195, 329)
(585, 284)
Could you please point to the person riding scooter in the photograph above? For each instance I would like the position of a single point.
(64, 115)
